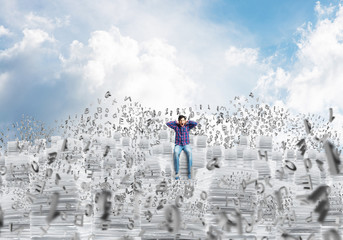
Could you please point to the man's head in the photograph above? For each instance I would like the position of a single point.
(182, 120)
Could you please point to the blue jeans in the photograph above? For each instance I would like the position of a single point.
(177, 152)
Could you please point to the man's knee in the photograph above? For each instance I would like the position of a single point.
(188, 150)
(177, 151)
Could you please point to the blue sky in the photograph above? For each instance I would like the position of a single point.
(57, 57)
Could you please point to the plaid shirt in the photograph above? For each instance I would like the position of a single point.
(181, 133)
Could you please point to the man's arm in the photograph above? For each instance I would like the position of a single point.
(172, 124)
(191, 124)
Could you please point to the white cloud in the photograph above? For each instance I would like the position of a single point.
(28, 61)
(313, 84)
(33, 39)
(4, 31)
(35, 21)
(146, 70)
(271, 84)
(235, 56)
(324, 10)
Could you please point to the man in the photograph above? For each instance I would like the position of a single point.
(181, 129)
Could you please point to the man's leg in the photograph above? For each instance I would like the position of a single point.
(188, 150)
(177, 152)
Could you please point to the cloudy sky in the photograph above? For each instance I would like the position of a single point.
(57, 57)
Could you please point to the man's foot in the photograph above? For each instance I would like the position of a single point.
(189, 176)
(177, 178)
